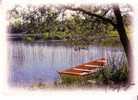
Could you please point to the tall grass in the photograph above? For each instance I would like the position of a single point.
(116, 72)
(110, 76)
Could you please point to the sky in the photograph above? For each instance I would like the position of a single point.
(10, 3)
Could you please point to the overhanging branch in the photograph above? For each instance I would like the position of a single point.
(92, 14)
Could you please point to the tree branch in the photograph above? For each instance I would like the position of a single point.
(92, 14)
(105, 12)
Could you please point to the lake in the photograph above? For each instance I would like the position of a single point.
(31, 63)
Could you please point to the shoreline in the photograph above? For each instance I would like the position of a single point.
(62, 42)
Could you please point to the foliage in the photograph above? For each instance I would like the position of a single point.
(28, 39)
(72, 81)
(55, 22)
(109, 76)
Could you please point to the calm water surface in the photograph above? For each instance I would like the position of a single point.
(40, 62)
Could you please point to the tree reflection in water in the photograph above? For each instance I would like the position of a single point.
(31, 63)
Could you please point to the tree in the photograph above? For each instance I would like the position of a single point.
(118, 24)
(122, 32)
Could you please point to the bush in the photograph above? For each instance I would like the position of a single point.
(120, 75)
(45, 35)
(110, 76)
(29, 39)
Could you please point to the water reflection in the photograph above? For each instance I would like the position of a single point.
(31, 63)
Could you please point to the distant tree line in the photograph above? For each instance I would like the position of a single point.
(59, 22)
(82, 24)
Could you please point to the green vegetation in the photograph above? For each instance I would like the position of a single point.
(28, 39)
(68, 80)
(57, 23)
(105, 77)
(109, 76)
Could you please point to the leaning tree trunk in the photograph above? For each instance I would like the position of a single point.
(122, 32)
(124, 38)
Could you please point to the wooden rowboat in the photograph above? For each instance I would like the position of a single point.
(86, 68)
